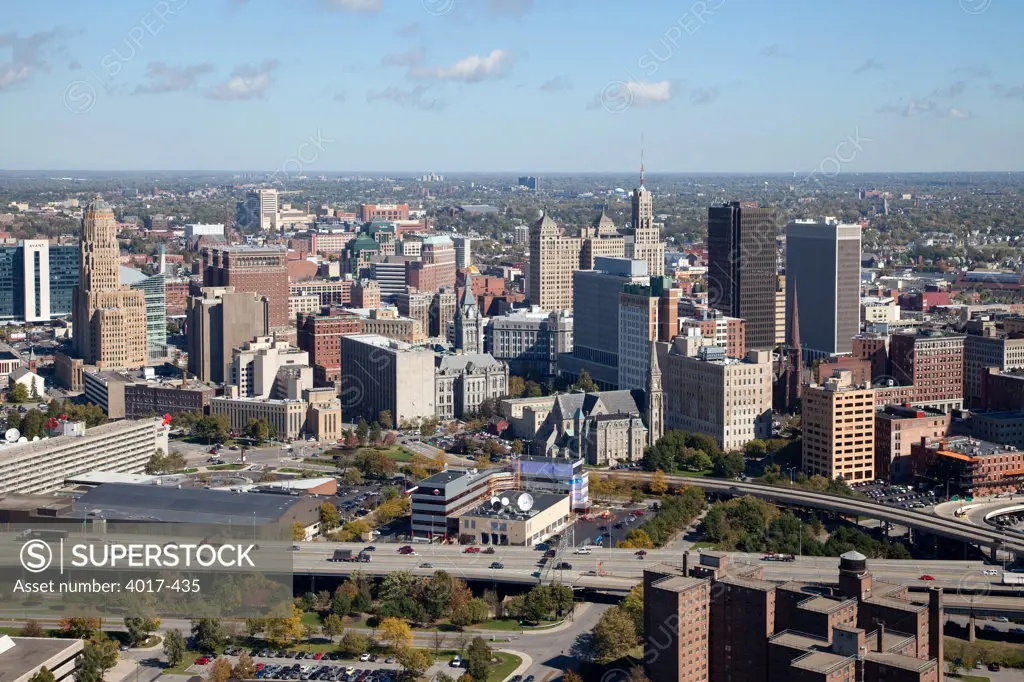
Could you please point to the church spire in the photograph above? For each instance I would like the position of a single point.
(641, 159)
(793, 340)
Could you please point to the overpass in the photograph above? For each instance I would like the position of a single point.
(851, 506)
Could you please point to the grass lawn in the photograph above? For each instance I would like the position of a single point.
(510, 624)
(186, 663)
(694, 474)
(226, 467)
(504, 668)
(1007, 655)
(311, 619)
(185, 471)
(969, 678)
(16, 632)
(702, 545)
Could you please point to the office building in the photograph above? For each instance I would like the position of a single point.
(969, 466)
(442, 312)
(528, 182)
(37, 280)
(109, 319)
(260, 209)
(303, 305)
(388, 323)
(218, 321)
(379, 373)
(677, 622)
(42, 466)
(933, 364)
(390, 273)
(839, 429)
(555, 475)
(601, 240)
(638, 326)
(265, 368)
(366, 294)
(553, 259)
(596, 301)
(707, 392)
(320, 336)
(390, 212)
(415, 305)
(1005, 428)
(105, 389)
(152, 288)
(463, 252)
(331, 292)
(1002, 390)
(521, 235)
(530, 341)
(288, 418)
(22, 658)
(823, 266)
(435, 268)
(717, 329)
(897, 428)
(984, 352)
(469, 323)
(463, 382)
(148, 398)
(646, 244)
(780, 310)
(439, 501)
(742, 268)
(194, 230)
(257, 269)
(509, 525)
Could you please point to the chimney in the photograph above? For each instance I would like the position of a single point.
(880, 638)
(935, 623)
(686, 562)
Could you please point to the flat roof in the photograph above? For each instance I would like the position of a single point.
(678, 583)
(541, 502)
(900, 661)
(820, 604)
(28, 653)
(820, 661)
(798, 640)
(749, 583)
(99, 477)
(892, 603)
(108, 429)
(127, 502)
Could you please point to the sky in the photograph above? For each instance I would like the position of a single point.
(518, 86)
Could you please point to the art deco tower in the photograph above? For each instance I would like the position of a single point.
(647, 244)
(109, 319)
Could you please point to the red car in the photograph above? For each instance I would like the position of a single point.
(202, 660)
(927, 577)
(472, 550)
(639, 512)
(260, 666)
(317, 656)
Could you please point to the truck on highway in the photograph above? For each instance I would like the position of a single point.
(1013, 578)
(774, 556)
(350, 555)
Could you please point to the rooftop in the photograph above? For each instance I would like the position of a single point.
(467, 361)
(677, 583)
(820, 661)
(972, 447)
(798, 640)
(111, 428)
(900, 604)
(384, 342)
(508, 507)
(900, 661)
(821, 604)
(28, 653)
(749, 583)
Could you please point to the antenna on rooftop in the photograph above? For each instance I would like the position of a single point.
(525, 502)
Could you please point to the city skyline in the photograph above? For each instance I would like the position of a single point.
(494, 74)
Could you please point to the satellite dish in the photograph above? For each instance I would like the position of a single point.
(495, 503)
(525, 502)
(504, 501)
(12, 435)
(35, 438)
(23, 440)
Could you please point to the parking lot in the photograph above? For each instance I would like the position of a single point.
(901, 496)
(290, 665)
(609, 529)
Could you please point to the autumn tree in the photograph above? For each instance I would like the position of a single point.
(245, 669)
(220, 672)
(80, 628)
(396, 632)
(32, 628)
(658, 484)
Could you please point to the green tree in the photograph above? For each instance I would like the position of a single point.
(414, 661)
(375, 433)
(18, 394)
(728, 465)
(755, 448)
(354, 644)
(352, 476)
(33, 424)
(14, 419)
(207, 634)
(428, 427)
(53, 408)
(478, 658)
(333, 626)
(258, 430)
(330, 517)
(98, 656)
(174, 647)
(386, 420)
(614, 635)
(140, 628)
(585, 383)
(362, 431)
(245, 668)
(43, 675)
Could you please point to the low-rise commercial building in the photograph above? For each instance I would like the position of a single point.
(525, 520)
(897, 428)
(266, 368)
(157, 398)
(21, 658)
(555, 475)
(440, 500)
(969, 466)
(319, 417)
(984, 352)
(42, 466)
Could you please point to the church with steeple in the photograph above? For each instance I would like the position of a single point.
(788, 387)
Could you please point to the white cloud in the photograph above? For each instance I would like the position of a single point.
(472, 69)
(166, 78)
(557, 84)
(27, 55)
(645, 93)
(245, 82)
(956, 113)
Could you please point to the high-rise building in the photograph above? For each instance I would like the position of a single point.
(260, 209)
(742, 268)
(838, 420)
(596, 300)
(646, 243)
(780, 310)
(983, 352)
(528, 182)
(261, 270)
(706, 392)
(469, 323)
(677, 620)
(320, 336)
(379, 374)
(109, 319)
(638, 327)
(218, 321)
(601, 239)
(823, 265)
(152, 288)
(435, 268)
(717, 329)
(463, 252)
(553, 259)
(521, 234)
(933, 363)
(37, 280)
(442, 312)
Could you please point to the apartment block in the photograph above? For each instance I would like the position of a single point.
(839, 429)
(984, 352)
(677, 620)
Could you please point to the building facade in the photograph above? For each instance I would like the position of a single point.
(320, 336)
(463, 382)
(897, 428)
(839, 430)
(984, 352)
(218, 321)
(530, 341)
(435, 268)
(378, 373)
(646, 244)
(933, 363)
(553, 259)
(260, 270)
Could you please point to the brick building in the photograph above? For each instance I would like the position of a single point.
(875, 349)
(262, 270)
(320, 336)
(436, 266)
(933, 362)
(370, 212)
(897, 428)
(969, 466)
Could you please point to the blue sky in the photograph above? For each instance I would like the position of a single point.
(513, 85)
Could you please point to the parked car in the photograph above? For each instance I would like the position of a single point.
(497, 564)
(471, 550)
(927, 577)
(489, 550)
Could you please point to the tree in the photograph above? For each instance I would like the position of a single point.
(478, 658)
(207, 634)
(658, 484)
(354, 644)
(362, 431)
(174, 647)
(98, 656)
(585, 383)
(33, 424)
(18, 394)
(437, 642)
(13, 419)
(43, 675)
(81, 628)
(728, 465)
(333, 626)
(139, 628)
(516, 386)
(386, 420)
(258, 430)
(284, 630)
(415, 661)
(755, 448)
(32, 628)
(517, 446)
(396, 632)
(298, 531)
(571, 676)
(220, 672)
(53, 408)
(353, 476)
(428, 427)
(245, 669)
(375, 433)
(614, 635)
(330, 517)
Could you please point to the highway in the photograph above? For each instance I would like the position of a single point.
(852, 506)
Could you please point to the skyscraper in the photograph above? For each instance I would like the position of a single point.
(261, 270)
(553, 258)
(109, 319)
(646, 243)
(741, 268)
(823, 266)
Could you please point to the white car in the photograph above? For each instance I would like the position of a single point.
(364, 658)
(991, 571)
(581, 550)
